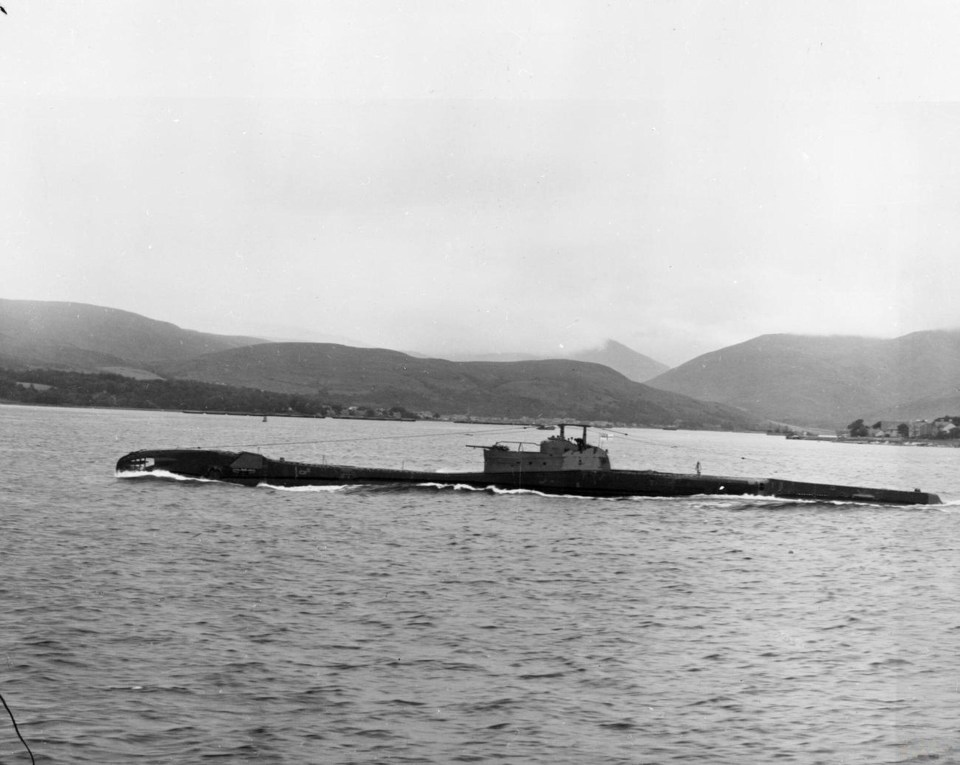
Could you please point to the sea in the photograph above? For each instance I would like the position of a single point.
(162, 620)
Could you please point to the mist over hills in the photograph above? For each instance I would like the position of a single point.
(80, 337)
(828, 381)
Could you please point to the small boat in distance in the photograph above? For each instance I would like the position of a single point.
(558, 465)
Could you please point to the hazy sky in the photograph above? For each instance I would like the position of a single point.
(446, 176)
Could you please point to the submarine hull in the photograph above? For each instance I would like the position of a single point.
(252, 469)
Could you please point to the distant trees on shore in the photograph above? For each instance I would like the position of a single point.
(60, 388)
(940, 428)
(858, 429)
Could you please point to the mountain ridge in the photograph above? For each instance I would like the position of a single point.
(630, 363)
(547, 388)
(88, 337)
(824, 381)
(81, 337)
(804, 380)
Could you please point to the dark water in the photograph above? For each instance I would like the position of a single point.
(165, 621)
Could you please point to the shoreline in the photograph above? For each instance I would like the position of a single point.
(939, 443)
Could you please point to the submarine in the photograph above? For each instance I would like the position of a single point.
(558, 465)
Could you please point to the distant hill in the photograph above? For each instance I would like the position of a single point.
(86, 338)
(383, 378)
(826, 381)
(500, 358)
(927, 408)
(823, 382)
(81, 337)
(628, 362)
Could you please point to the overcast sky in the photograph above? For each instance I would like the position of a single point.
(445, 176)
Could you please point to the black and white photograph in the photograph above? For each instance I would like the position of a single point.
(543, 382)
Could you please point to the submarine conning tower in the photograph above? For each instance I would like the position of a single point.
(555, 453)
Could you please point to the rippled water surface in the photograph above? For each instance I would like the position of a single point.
(167, 621)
